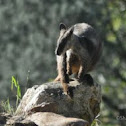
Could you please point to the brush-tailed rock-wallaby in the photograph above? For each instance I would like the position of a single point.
(78, 50)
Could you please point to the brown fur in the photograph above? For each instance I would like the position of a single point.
(78, 50)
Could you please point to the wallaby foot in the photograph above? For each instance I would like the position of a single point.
(80, 78)
(57, 79)
(67, 90)
(65, 87)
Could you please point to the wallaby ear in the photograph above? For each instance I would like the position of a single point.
(62, 26)
(70, 31)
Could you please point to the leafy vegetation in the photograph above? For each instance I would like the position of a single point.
(28, 34)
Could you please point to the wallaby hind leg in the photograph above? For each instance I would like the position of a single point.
(85, 64)
(69, 65)
(81, 74)
(57, 79)
(62, 72)
(84, 68)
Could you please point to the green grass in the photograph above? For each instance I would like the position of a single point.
(96, 121)
(7, 107)
(15, 83)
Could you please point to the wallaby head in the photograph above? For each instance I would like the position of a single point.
(63, 42)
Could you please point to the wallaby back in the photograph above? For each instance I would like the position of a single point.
(89, 39)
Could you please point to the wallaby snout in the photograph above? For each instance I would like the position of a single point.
(61, 47)
(59, 51)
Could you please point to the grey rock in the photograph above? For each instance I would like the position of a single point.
(3, 118)
(52, 119)
(46, 119)
(49, 97)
